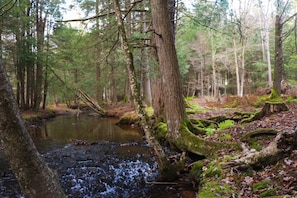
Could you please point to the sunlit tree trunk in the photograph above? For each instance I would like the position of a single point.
(35, 178)
(202, 75)
(265, 21)
(236, 66)
(213, 66)
(99, 92)
(242, 69)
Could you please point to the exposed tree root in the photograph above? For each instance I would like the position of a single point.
(187, 141)
(279, 148)
(258, 132)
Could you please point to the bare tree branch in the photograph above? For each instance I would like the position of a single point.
(5, 11)
(108, 13)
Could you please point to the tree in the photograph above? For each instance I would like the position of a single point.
(265, 21)
(169, 69)
(35, 178)
(135, 91)
(280, 21)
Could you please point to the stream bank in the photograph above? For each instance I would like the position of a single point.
(95, 158)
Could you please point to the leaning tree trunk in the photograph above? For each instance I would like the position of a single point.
(35, 178)
(154, 144)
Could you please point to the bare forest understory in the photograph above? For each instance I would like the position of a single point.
(224, 175)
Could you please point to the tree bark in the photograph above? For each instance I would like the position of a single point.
(99, 92)
(35, 178)
(265, 21)
(154, 144)
(40, 24)
(279, 58)
(171, 82)
(236, 66)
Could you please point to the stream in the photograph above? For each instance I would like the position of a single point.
(96, 158)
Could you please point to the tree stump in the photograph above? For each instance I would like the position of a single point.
(268, 109)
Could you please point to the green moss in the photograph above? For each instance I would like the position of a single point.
(261, 100)
(199, 146)
(196, 170)
(260, 185)
(268, 193)
(256, 145)
(190, 111)
(129, 118)
(196, 129)
(213, 170)
(291, 99)
(150, 111)
(226, 136)
(187, 101)
(214, 189)
(197, 122)
(161, 130)
(197, 108)
(274, 96)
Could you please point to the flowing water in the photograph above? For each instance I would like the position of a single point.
(95, 158)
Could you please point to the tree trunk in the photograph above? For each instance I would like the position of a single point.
(35, 178)
(242, 73)
(161, 157)
(213, 65)
(40, 24)
(171, 82)
(279, 58)
(99, 92)
(147, 95)
(265, 21)
(236, 66)
(156, 84)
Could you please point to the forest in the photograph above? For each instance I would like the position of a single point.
(215, 82)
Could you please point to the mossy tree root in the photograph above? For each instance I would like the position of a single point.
(279, 148)
(189, 142)
(258, 132)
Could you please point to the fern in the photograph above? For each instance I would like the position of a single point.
(225, 124)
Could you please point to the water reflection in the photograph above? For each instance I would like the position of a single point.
(85, 128)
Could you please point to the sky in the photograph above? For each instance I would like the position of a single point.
(73, 13)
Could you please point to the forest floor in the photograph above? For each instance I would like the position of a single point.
(274, 180)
